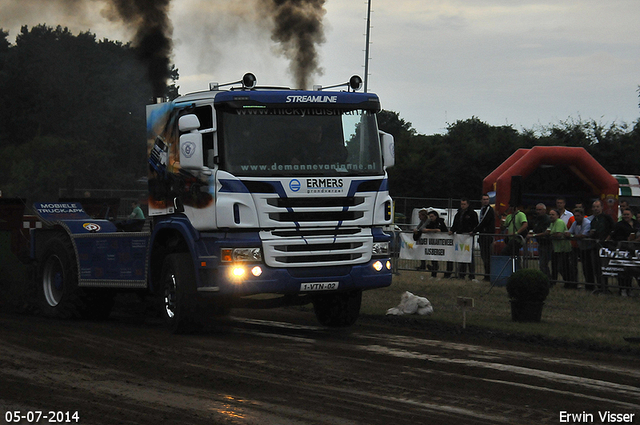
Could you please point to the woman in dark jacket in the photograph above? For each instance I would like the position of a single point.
(623, 231)
(434, 225)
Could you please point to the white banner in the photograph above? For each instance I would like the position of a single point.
(438, 247)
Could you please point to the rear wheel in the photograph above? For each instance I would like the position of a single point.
(58, 292)
(179, 294)
(56, 279)
(338, 310)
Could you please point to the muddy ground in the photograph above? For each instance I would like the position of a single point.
(280, 367)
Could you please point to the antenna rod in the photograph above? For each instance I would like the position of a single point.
(366, 48)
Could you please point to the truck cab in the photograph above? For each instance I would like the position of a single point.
(284, 192)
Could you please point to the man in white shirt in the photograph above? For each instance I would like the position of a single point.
(565, 215)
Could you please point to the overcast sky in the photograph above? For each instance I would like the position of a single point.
(516, 62)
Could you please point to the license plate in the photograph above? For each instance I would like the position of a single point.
(320, 286)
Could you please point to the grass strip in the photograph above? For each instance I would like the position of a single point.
(569, 317)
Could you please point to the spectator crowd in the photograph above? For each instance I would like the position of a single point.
(565, 240)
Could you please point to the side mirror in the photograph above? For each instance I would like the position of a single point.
(188, 123)
(388, 149)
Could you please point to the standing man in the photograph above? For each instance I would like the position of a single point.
(601, 224)
(540, 223)
(561, 260)
(487, 228)
(465, 221)
(419, 230)
(601, 227)
(515, 225)
(580, 230)
(565, 215)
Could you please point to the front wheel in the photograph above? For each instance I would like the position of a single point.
(338, 310)
(179, 294)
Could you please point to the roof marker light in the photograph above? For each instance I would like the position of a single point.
(249, 80)
(355, 83)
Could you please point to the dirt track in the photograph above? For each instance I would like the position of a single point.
(279, 367)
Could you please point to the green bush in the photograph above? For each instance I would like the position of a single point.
(528, 285)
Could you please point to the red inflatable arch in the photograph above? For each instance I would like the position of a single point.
(502, 168)
(524, 161)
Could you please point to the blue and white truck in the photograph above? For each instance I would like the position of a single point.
(257, 196)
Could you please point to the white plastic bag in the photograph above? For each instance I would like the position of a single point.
(411, 304)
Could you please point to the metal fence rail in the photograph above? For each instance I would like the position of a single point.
(597, 266)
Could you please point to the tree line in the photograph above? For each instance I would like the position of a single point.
(453, 164)
(72, 109)
(72, 112)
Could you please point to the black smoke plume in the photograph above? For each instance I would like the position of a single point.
(298, 29)
(153, 35)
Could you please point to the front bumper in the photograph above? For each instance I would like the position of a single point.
(224, 281)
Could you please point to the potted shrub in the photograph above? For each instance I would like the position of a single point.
(527, 289)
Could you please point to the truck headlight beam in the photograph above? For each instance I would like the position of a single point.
(378, 266)
(238, 272)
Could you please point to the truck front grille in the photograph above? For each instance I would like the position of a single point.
(315, 202)
(309, 250)
(304, 210)
(316, 216)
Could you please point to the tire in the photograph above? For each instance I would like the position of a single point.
(179, 295)
(338, 310)
(58, 293)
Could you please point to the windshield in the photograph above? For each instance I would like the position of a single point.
(277, 142)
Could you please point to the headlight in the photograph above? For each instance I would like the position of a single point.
(238, 273)
(229, 255)
(380, 249)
